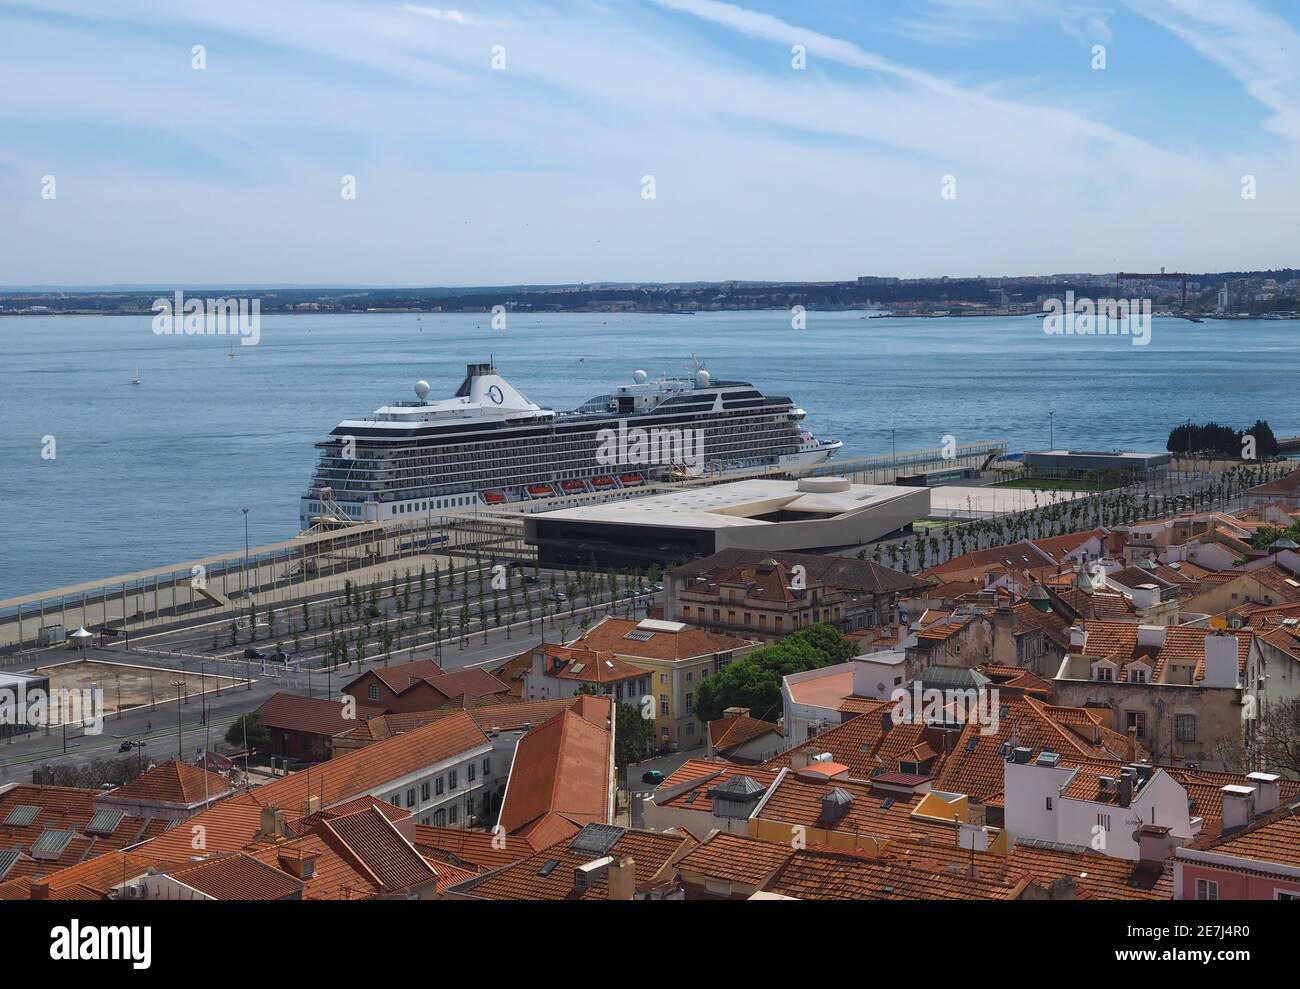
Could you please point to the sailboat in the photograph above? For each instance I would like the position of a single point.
(136, 379)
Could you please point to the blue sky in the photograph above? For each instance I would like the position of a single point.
(468, 174)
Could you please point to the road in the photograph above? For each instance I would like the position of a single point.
(203, 721)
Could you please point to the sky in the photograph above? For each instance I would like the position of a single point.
(560, 141)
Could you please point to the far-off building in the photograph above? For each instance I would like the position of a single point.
(769, 595)
(1086, 465)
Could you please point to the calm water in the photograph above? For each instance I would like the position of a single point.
(157, 473)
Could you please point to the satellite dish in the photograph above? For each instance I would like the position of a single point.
(701, 378)
(639, 377)
(422, 390)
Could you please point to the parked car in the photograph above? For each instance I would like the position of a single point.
(251, 653)
(124, 747)
(558, 596)
(280, 656)
(653, 776)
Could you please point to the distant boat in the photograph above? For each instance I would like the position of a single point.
(136, 379)
(231, 355)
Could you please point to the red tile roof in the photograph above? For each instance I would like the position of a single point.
(313, 715)
(237, 877)
(172, 783)
(563, 767)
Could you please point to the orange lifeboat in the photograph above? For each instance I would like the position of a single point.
(493, 497)
(540, 490)
(631, 478)
(571, 485)
(603, 482)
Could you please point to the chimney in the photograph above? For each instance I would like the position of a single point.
(1267, 791)
(1153, 844)
(1221, 660)
(590, 873)
(622, 879)
(1238, 806)
(311, 805)
(1020, 755)
(1131, 746)
(1078, 637)
(272, 824)
(40, 891)
(1124, 791)
(1152, 636)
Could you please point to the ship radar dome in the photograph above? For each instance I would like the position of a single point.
(701, 379)
(422, 390)
(639, 377)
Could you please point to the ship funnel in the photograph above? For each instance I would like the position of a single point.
(701, 378)
(639, 377)
(422, 390)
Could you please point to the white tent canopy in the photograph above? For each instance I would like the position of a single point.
(81, 633)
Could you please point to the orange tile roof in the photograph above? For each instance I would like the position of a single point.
(736, 858)
(360, 772)
(478, 849)
(1095, 875)
(370, 839)
(237, 877)
(1118, 642)
(729, 733)
(562, 767)
(1271, 840)
(313, 715)
(824, 875)
(706, 775)
(610, 634)
(652, 851)
(335, 877)
(172, 783)
(65, 808)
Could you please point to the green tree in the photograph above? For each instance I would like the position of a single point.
(754, 681)
(250, 727)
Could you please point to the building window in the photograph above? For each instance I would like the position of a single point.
(690, 729)
(690, 703)
(1137, 675)
(396, 799)
(1282, 894)
(1185, 727)
(1049, 803)
(439, 818)
(1105, 673)
(1207, 889)
(487, 767)
(373, 692)
(453, 814)
(438, 786)
(471, 772)
(424, 790)
(453, 780)
(1138, 720)
(410, 797)
(663, 703)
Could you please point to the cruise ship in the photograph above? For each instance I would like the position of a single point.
(490, 446)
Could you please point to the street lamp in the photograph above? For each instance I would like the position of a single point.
(245, 511)
(180, 746)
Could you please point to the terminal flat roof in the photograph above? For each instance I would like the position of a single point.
(955, 501)
(721, 506)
